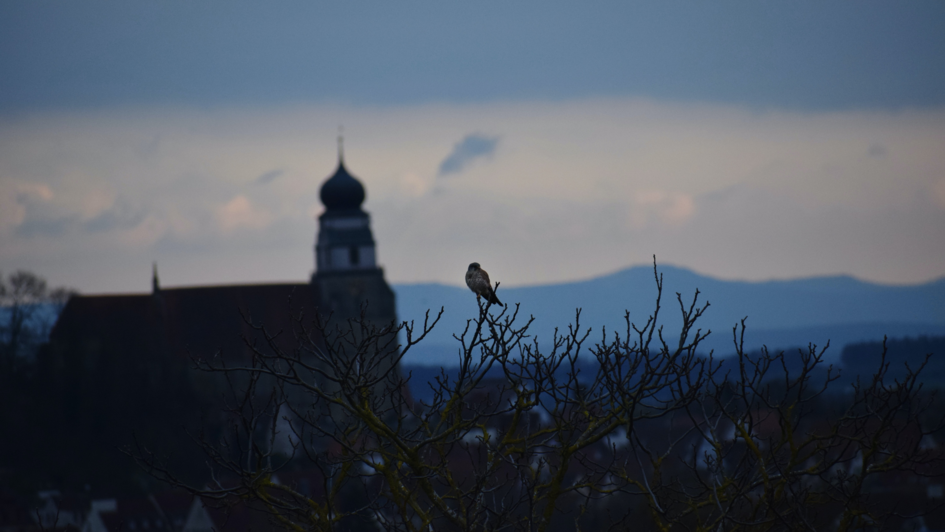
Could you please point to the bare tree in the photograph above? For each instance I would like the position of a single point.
(633, 429)
(28, 308)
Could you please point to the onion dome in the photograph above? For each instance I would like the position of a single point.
(342, 191)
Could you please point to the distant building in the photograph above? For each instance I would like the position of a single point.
(201, 320)
(346, 272)
(165, 512)
(122, 363)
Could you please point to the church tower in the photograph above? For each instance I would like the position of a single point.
(345, 242)
(346, 272)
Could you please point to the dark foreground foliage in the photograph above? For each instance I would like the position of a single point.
(325, 436)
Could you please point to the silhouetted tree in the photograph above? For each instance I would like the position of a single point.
(654, 437)
(27, 309)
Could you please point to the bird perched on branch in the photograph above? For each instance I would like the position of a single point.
(478, 281)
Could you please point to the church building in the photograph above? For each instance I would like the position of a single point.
(122, 364)
(196, 320)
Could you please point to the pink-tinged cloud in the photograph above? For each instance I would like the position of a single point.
(579, 188)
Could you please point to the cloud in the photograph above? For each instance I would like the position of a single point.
(36, 226)
(671, 209)
(50, 221)
(581, 188)
(119, 216)
(413, 185)
(466, 151)
(240, 213)
(760, 54)
(15, 199)
(269, 177)
(938, 193)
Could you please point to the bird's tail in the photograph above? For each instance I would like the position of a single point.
(494, 299)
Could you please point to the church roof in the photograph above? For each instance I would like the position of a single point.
(185, 321)
(342, 191)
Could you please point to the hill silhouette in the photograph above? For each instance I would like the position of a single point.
(781, 314)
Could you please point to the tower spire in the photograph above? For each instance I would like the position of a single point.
(344, 242)
(341, 144)
(155, 284)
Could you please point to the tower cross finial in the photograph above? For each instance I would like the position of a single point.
(341, 144)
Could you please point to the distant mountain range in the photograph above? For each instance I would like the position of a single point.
(781, 314)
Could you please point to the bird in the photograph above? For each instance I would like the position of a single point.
(478, 281)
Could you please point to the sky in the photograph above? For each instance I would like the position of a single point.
(549, 142)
